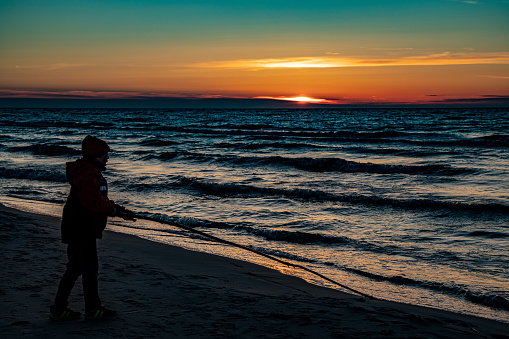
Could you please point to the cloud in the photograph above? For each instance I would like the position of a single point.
(45, 67)
(337, 62)
(470, 2)
(298, 62)
(389, 48)
(42, 94)
(483, 99)
(63, 66)
(494, 76)
(6, 93)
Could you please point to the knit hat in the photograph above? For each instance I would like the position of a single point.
(92, 147)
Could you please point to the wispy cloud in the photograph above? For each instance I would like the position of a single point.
(483, 99)
(494, 76)
(46, 66)
(43, 94)
(336, 62)
(389, 48)
(470, 2)
(64, 65)
(6, 93)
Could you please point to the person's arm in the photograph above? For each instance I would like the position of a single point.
(91, 197)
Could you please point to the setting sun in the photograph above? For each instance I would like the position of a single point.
(304, 99)
(301, 99)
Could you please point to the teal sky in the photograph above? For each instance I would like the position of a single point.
(471, 22)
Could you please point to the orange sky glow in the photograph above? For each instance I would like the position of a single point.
(334, 52)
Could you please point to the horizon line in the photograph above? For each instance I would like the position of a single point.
(239, 103)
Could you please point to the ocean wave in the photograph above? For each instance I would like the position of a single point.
(317, 164)
(488, 234)
(346, 166)
(44, 123)
(306, 238)
(262, 145)
(371, 137)
(490, 300)
(495, 140)
(248, 127)
(295, 237)
(281, 254)
(284, 133)
(47, 149)
(102, 124)
(405, 152)
(233, 189)
(158, 142)
(32, 197)
(32, 174)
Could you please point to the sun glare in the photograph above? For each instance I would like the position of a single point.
(302, 100)
(298, 63)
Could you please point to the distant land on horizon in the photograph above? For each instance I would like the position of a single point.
(234, 103)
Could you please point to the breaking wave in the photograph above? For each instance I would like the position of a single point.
(32, 174)
(47, 149)
(231, 189)
(317, 164)
(490, 300)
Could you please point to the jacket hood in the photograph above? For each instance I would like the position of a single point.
(76, 169)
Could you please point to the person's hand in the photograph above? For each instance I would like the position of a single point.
(127, 215)
(124, 213)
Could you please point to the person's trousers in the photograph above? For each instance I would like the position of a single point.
(82, 260)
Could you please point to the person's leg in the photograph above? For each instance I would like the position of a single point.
(59, 310)
(71, 274)
(89, 270)
(90, 267)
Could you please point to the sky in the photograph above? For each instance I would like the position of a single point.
(323, 52)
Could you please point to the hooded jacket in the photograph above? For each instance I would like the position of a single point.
(87, 208)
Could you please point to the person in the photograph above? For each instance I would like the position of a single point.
(84, 218)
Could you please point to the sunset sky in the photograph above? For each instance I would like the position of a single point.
(331, 52)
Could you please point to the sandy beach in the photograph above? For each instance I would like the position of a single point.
(164, 291)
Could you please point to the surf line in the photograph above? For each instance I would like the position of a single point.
(227, 242)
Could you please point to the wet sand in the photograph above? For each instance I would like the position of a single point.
(165, 291)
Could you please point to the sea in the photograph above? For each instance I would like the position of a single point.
(407, 205)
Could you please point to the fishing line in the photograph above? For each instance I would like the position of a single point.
(227, 242)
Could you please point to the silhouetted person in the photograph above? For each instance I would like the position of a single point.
(84, 218)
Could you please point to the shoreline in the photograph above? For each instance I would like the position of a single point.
(165, 291)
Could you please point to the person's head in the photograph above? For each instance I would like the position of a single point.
(93, 148)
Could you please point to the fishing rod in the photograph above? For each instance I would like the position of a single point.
(227, 242)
